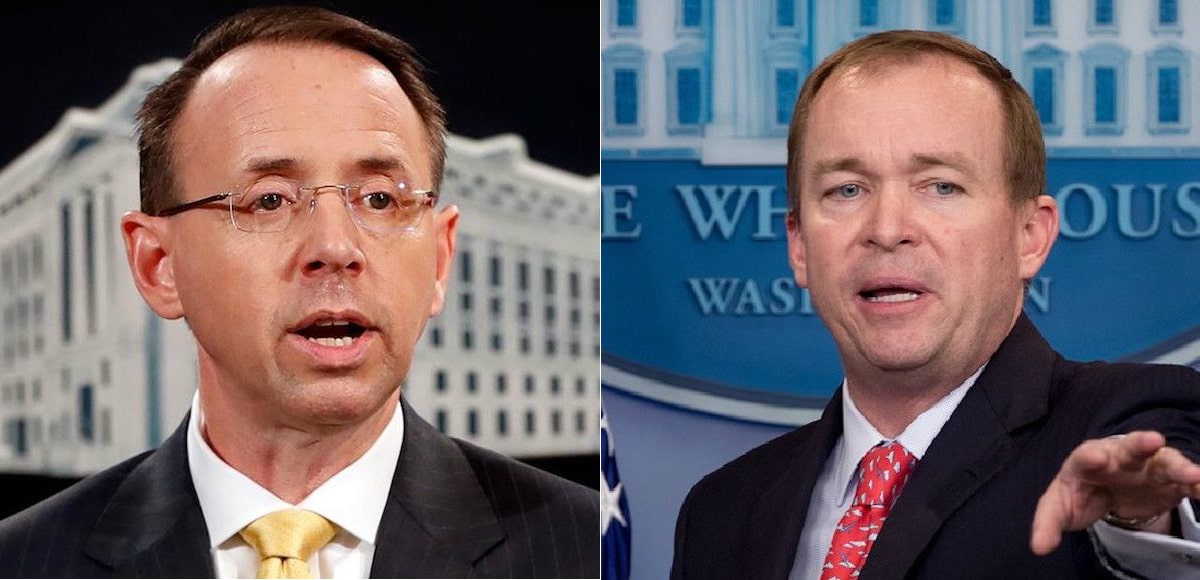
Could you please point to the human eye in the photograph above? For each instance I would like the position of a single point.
(846, 191)
(379, 196)
(945, 188)
(265, 198)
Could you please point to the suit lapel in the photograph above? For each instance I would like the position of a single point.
(780, 512)
(971, 448)
(153, 526)
(438, 522)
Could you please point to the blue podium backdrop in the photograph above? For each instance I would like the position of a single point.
(710, 348)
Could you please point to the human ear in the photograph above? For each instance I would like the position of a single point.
(1039, 229)
(148, 251)
(797, 256)
(445, 227)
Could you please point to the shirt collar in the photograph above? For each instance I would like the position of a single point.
(230, 501)
(859, 435)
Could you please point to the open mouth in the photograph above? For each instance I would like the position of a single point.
(890, 294)
(332, 332)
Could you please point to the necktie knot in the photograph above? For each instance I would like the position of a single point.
(285, 540)
(883, 472)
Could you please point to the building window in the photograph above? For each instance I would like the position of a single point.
(497, 342)
(65, 224)
(1168, 13)
(523, 276)
(785, 13)
(441, 420)
(580, 421)
(468, 340)
(435, 336)
(1167, 95)
(1104, 96)
(472, 382)
(501, 423)
(89, 253)
(623, 69)
(465, 302)
(787, 86)
(1041, 17)
(1103, 16)
(464, 265)
(472, 422)
(686, 89)
(494, 272)
(556, 421)
(690, 16)
(530, 384)
(548, 280)
(87, 426)
(946, 15)
(501, 383)
(1043, 94)
(555, 386)
(626, 96)
(1105, 91)
(868, 13)
(1043, 78)
(530, 423)
(439, 381)
(625, 15)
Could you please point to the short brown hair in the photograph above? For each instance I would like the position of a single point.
(161, 109)
(1024, 150)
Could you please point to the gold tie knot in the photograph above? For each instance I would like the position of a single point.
(285, 540)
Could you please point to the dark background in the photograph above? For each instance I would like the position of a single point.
(499, 67)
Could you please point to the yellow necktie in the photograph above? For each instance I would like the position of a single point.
(285, 540)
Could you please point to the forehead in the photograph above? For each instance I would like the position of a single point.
(929, 103)
(299, 101)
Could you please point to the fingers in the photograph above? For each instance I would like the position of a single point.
(1169, 466)
(1100, 460)
(1050, 520)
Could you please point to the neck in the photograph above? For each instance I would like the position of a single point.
(288, 457)
(891, 406)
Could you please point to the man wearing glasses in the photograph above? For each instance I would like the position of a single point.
(289, 172)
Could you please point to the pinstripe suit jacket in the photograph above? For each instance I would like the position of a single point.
(454, 511)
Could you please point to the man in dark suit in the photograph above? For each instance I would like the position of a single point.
(960, 444)
(299, 457)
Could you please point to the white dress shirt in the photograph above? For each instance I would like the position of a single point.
(353, 499)
(1152, 555)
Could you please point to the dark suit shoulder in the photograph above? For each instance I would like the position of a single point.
(65, 520)
(540, 509)
(754, 468)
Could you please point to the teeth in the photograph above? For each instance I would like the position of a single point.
(894, 297)
(334, 323)
(337, 342)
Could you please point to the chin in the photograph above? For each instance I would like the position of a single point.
(339, 403)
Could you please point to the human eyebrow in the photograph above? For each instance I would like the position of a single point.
(825, 166)
(950, 159)
(386, 165)
(261, 165)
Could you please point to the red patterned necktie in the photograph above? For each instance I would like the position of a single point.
(882, 474)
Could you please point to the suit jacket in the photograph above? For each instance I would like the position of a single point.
(968, 508)
(454, 510)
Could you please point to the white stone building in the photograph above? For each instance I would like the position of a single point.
(89, 375)
(715, 80)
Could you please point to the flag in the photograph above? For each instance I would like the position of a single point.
(614, 509)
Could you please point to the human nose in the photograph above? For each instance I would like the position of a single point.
(331, 240)
(889, 223)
